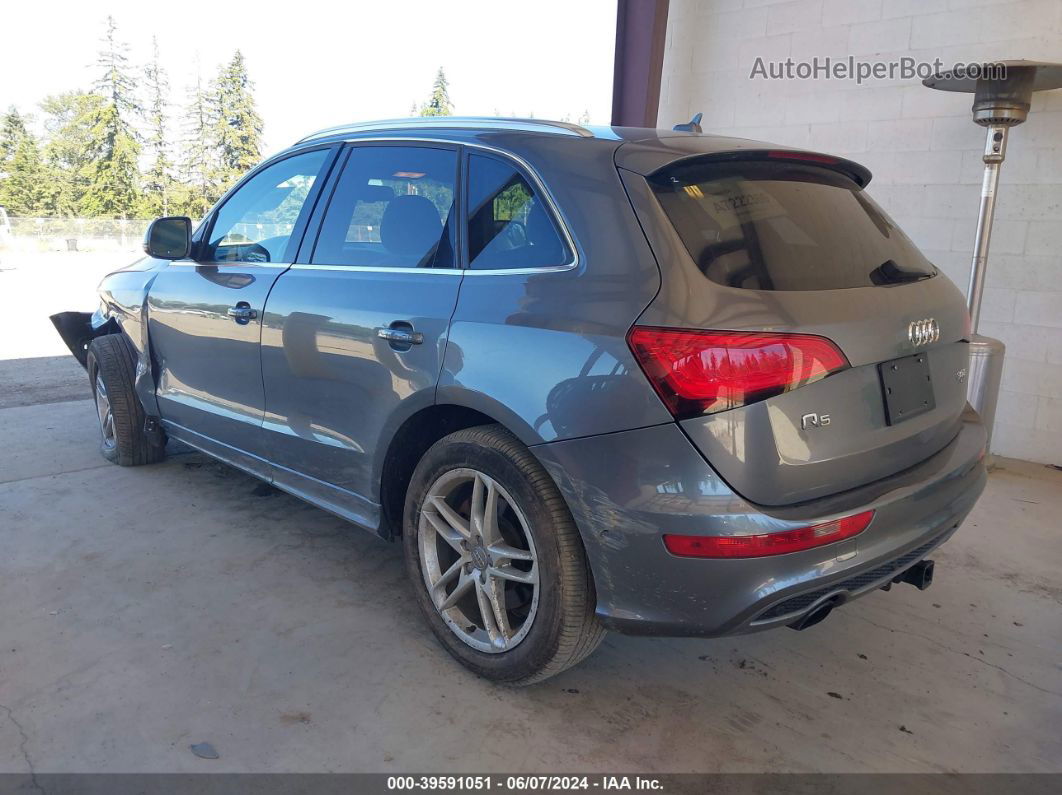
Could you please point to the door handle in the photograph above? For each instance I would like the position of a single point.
(401, 335)
(242, 312)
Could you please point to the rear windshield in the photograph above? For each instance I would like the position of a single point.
(772, 226)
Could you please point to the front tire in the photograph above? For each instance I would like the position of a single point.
(111, 364)
(495, 560)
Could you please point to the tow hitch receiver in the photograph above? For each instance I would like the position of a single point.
(919, 575)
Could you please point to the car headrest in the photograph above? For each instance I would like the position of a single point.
(410, 225)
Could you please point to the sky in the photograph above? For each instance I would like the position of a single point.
(315, 65)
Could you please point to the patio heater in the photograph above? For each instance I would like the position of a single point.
(1002, 95)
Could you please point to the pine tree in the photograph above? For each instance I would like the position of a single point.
(68, 120)
(112, 192)
(21, 192)
(115, 82)
(198, 164)
(114, 175)
(238, 127)
(12, 131)
(158, 182)
(439, 104)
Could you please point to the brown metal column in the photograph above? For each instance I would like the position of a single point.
(641, 28)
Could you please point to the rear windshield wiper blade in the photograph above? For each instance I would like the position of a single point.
(889, 272)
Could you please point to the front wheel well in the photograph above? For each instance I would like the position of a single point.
(409, 444)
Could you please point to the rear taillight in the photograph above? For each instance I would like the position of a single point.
(702, 372)
(780, 543)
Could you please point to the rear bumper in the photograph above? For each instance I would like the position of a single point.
(627, 489)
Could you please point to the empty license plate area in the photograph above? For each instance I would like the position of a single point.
(906, 387)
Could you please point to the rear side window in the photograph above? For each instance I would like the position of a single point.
(393, 206)
(508, 223)
(768, 226)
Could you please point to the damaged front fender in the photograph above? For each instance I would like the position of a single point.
(78, 329)
(123, 309)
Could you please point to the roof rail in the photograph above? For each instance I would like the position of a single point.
(456, 123)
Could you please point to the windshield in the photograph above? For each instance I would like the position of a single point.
(772, 226)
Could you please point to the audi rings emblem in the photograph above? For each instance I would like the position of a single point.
(923, 332)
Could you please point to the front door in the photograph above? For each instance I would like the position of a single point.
(205, 315)
(354, 335)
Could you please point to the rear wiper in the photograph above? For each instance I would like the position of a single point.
(889, 272)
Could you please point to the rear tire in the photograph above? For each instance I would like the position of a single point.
(111, 364)
(526, 611)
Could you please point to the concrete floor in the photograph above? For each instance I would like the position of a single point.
(142, 610)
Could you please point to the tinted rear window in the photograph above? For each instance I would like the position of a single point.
(768, 226)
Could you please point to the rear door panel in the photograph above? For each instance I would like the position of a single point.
(335, 390)
(333, 386)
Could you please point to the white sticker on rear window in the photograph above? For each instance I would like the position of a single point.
(731, 203)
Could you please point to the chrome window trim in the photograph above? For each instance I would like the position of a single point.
(539, 185)
(306, 266)
(237, 264)
(309, 266)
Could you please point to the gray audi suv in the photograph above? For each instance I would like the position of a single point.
(650, 381)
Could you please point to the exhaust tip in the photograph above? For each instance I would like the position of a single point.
(919, 575)
(815, 616)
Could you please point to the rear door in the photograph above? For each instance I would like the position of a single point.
(796, 247)
(205, 315)
(355, 331)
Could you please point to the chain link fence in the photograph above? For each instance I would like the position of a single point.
(72, 234)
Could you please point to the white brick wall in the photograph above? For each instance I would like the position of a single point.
(922, 146)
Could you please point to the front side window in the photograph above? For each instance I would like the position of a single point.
(393, 206)
(256, 222)
(508, 223)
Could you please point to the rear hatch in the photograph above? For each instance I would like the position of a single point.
(849, 359)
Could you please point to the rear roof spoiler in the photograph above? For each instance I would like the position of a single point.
(858, 174)
(662, 148)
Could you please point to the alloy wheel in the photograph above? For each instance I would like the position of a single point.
(478, 559)
(106, 415)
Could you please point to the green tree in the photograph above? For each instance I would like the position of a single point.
(68, 122)
(237, 125)
(158, 182)
(21, 191)
(12, 131)
(116, 83)
(439, 104)
(114, 173)
(198, 166)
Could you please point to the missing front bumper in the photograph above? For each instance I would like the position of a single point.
(77, 332)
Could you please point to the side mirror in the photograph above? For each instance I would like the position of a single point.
(169, 238)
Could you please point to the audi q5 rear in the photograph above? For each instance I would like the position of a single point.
(641, 380)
